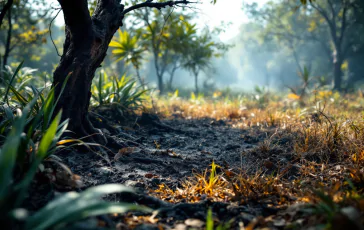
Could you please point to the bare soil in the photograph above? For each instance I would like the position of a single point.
(170, 151)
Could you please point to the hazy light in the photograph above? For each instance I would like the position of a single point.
(226, 11)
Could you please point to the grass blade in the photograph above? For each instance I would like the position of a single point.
(11, 81)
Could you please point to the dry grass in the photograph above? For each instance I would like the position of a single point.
(326, 149)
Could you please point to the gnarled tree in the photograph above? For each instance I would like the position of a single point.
(85, 47)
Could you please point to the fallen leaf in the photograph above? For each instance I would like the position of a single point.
(150, 175)
(123, 152)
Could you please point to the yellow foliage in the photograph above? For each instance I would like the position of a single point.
(217, 94)
(313, 26)
(32, 35)
(293, 96)
(323, 95)
(35, 58)
(345, 66)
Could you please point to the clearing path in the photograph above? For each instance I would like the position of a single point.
(171, 152)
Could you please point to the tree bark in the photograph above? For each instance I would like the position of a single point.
(5, 9)
(8, 40)
(337, 35)
(338, 60)
(337, 75)
(160, 84)
(171, 77)
(85, 47)
(196, 83)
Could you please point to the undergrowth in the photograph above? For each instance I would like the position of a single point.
(320, 165)
(323, 166)
(30, 135)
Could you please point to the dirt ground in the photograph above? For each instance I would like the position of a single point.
(171, 151)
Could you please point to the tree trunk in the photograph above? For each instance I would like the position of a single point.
(170, 82)
(337, 76)
(8, 40)
(5, 9)
(196, 83)
(85, 47)
(160, 84)
(337, 63)
(356, 70)
(141, 80)
(171, 76)
(159, 72)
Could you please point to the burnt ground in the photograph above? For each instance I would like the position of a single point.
(169, 152)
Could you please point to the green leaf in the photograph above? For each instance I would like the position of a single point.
(11, 81)
(9, 151)
(48, 137)
(47, 142)
(47, 109)
(73, 206)
(22, 100)
(209, 220)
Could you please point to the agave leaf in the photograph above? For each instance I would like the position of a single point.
(98, 191)
(8, 156)
(9, 151)
(47, 109)
(23, 83)
(73, 206)
(4, 125)
(61, 129)
(48, 137)
(46, 143)
(11, 81)
(80, 210)
(22, 100)
(8, 112)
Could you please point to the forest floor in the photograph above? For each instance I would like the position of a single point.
(249, 173)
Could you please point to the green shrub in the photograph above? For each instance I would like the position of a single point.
(30, 133)
(121, 92)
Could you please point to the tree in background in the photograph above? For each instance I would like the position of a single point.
(5, 7)
(181, 35)
(313, 26)
(341, 21)
(86, 44)
(6, 10)
(172, 41)
(200, 54)
(127, 48)
(24, 28)
(166, 37)
(356, 53)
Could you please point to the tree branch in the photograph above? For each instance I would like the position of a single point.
(333, 11)
(331, 23)
(343, 24)
(5, 9)
(158, 5)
